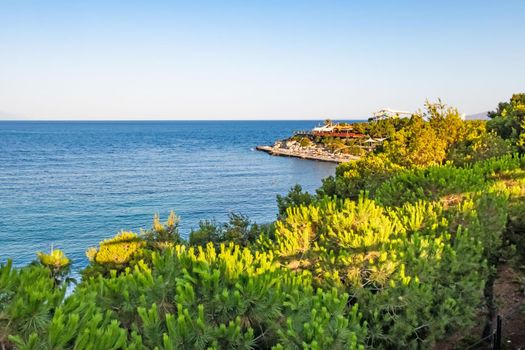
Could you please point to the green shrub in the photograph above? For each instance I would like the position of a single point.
(188, 298)
(354, 177)
(430, 183)
(208, 231)
(28, 297)
(486, 145)
(295, 197)
(417, 271)
(239, 230)
(508, 121)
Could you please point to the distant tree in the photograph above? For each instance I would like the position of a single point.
(446, 121)
(361, 128)
(484, 146)
(417, 144)
(294, 198)
(508, 120)
(239, 230)
(426, 137)
(208, 231)
(386, 127)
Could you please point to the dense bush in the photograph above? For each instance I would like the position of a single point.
(295, 197)
(354, 177)
(385, 128)
(417, 271)
(239, 229)
(28, 300)
(476, 148)
(185, 299)
(430, 183)
(511, 180)
(426, 137)
(509, 120)
(455, 205)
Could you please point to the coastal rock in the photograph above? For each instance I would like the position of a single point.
(290, 144)
(292, 148)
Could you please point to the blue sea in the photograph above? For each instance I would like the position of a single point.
(71, 184)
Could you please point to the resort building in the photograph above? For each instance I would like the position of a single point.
(387, 113)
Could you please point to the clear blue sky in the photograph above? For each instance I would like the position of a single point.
(255, 59)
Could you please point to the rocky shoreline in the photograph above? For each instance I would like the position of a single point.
(292, 148)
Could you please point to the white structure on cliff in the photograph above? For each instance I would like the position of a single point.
(324, 128)
(387, 113)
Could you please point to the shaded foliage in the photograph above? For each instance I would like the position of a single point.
(508, 120)
(239, 229)
(295, 197)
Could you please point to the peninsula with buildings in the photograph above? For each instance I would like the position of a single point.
(337, 142)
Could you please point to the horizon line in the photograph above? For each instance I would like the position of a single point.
(171, 120)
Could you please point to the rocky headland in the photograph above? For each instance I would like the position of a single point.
(312, 151)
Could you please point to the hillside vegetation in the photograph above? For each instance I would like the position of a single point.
(396, 251)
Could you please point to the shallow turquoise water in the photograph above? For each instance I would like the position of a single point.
(72, 184)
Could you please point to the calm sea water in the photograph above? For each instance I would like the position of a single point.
(72, 184)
